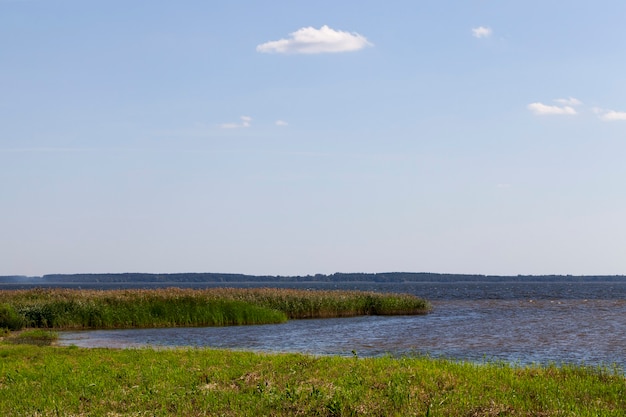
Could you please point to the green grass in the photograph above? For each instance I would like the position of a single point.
(51, 381)
(82, 309)
(38, 337)
(9, 318)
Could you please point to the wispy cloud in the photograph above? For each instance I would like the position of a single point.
(309, 40)
(245, 122)
(482, 32)
(45, 149)
(566, 107)
(281, 123)
(569, 101)
(609, 115)
(541, 109)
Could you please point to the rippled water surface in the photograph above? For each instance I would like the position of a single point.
(519, 323)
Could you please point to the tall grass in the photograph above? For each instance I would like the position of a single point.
(301, 304)
(51, 381)
(9, 318)
(71, 309)
(67, 309)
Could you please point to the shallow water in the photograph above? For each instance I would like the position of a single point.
(530, 323)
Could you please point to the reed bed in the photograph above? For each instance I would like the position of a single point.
(85, 309)
(302, 304)
(53, 381)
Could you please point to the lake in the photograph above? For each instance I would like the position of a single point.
(516, 322)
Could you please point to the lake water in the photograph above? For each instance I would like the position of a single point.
(523, 323)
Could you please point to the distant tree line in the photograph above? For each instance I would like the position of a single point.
(388, 277)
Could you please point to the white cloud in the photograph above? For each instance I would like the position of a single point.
(482, 32)
(281, 123)
(608, 115)
(566, 107)
(569, 101)
(245, 122)
(541, 109)
(309, 40)
(612, 115)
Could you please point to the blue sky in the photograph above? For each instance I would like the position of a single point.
(292, 137)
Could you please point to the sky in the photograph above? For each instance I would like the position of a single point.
(295, 138)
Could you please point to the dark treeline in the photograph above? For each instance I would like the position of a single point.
(390, 277)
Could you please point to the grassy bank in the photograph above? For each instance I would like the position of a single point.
(51, 381)
(37, 337)
(72, 309)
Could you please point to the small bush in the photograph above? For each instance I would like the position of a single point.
(9, 318)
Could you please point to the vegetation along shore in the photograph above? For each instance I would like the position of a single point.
(90, 309)
(70, 381)
(39, 378)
